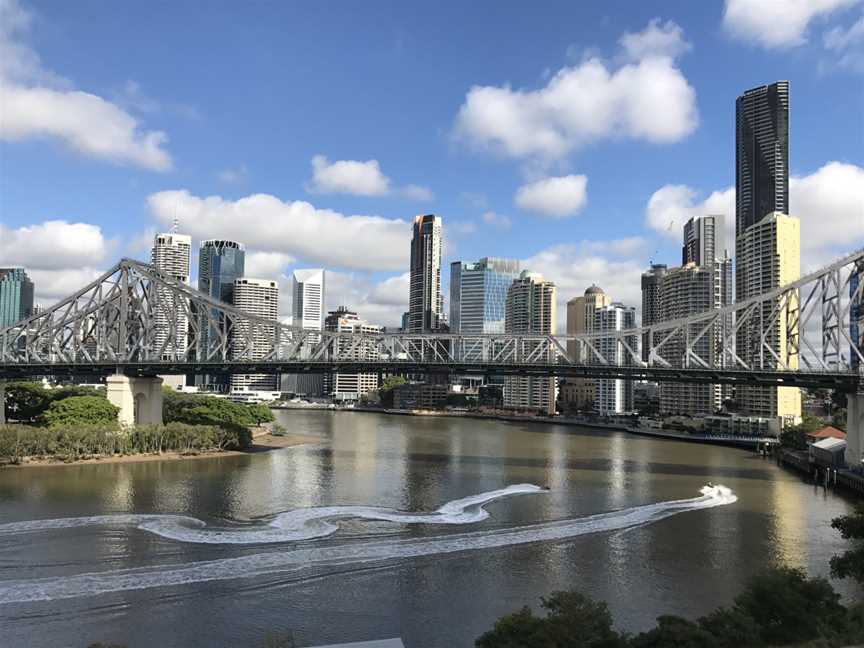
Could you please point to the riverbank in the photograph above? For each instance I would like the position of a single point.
(263, 442)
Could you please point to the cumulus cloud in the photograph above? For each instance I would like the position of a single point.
(60, 257)
(297, 228)
(829, 202)
(657, 39)
(348, 177)
(557, 197)
(38, 104)
(647, 98)
(847, 45)
(266, 265)
(378, 302)
(775, 25)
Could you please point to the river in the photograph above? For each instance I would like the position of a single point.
(207, 552)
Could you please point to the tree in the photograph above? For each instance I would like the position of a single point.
(850, 564)
(790, 608)
(385, 392)
(80, 410)
(731, 628)
(25, 401)
(675, 632)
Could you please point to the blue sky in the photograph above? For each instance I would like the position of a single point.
(575, 136)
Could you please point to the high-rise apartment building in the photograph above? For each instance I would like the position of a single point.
(579, 392)
(530, 309)
(16, 296)
(761, 154)
(259, 297)
(614, 396)
(220, 263)
(652, 285)
(425, 301)
(308, 313)
(171, 255)
(704, 240)
(769, 256)
(350, 387)
(478, 294)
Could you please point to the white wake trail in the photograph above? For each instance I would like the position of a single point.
(291, 526)
(351, 553)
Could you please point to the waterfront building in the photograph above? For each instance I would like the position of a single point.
(769, 256)
(350, 387)
(425, 301)
(579, 393)
(530, 308)
(258, 297)
(614, 396)
(761, 154)
(16, 296)
(171, 255)
(478, 294)
(308, 313)
(220, 263)
(652, 285)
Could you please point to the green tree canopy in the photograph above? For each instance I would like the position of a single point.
(196, 409)
(850, 564)
(80, 410)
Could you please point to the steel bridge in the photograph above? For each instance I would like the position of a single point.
(137, 322)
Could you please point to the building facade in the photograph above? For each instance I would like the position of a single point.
(425, 301)
(307, 308)
(704, 240)
(171, 255)
(350, 387)
(769, 256)
(478, 294)
(220, 263)
(856, 314)
(16, 296)
(579, 393)
(530, 308)
(259, 297)
(614, 396)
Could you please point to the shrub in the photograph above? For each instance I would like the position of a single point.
(80, 410)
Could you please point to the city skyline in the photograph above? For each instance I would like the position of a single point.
(327, 204)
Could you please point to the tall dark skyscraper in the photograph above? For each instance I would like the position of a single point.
(761, 154)
(425, 301)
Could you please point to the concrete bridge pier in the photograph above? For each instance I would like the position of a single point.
(139, 399)
(2, 402)
(854, 429)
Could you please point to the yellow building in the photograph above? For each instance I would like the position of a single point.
(579, 392)
(768, 256)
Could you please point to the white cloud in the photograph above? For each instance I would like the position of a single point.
(829, 202)
(557, 197)
(297, 228)
(847, 44)
(266, 265)
(647, 98)
(38, 104)
(776, 23)
(417, 192)
(657, 39)
(381, 302)
(347, 176)
(53, 245)
(498, 220)
(608, 264)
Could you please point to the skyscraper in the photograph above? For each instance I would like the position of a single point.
(16, 296)
(530, 309)
(769, 256)
(220, 263)
(579, 392)
(351, 386)
(425, 301)
(704, 240)
(761, 154)
(171, 255)
(478, 294)
(259, 297)
(614, 396)
(652, 285)
(308, 314)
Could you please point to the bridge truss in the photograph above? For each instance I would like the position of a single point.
(126, 322)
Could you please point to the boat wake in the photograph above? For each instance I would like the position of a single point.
(305, 560)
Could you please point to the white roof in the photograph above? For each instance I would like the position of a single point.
(830, 444)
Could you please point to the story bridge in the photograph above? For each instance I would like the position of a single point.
(135, 323)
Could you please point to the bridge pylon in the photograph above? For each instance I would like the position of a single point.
(854, 429)
(139, 399)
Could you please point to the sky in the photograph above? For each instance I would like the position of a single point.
(577, 137)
